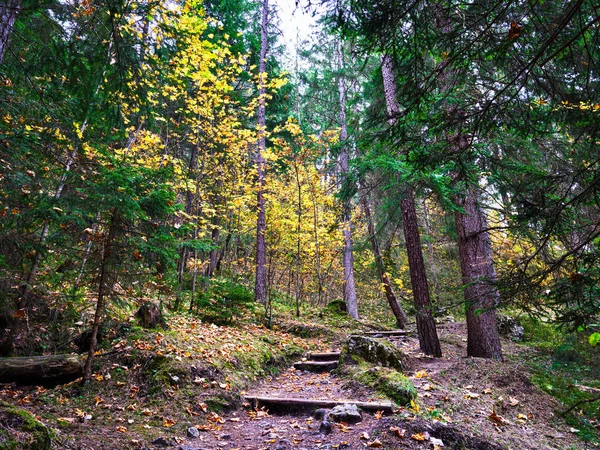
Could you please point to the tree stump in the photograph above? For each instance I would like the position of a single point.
(150, 315)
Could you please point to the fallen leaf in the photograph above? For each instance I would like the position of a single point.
(364, 435)
(168, 422)
(499, 420)
(146, 412)
(400, 432)
(471, 395)
(234, 419)
(121, 429)
(378, 415)
(375, 444)
(487, 391)
(513, 401)
(421, 374)
(419, 437)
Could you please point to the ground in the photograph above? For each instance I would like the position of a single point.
(149, 389)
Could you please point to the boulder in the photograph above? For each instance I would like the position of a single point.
(510, 328)
(348, 413)
(380, 352)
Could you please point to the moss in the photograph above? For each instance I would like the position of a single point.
(160, 371)
(21, 430)
(387, 382)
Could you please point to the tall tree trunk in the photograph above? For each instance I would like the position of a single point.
(474, 245)
(349, 284)
(9, 9)
(428, 338)
(317, 248)
(103, 284)
(260, 286)
(298, 239)
(399, 314)
(479, 277)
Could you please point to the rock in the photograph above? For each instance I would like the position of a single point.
(509, 327)
(161, 442)
(283, 444)
(225, 437)
(321, 413)
(325, 427)
(193, 433)
(346, 413)
(377, 351)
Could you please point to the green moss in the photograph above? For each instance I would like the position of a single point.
(21, 430)
(380, 352)
(159, 371)
(388, 382)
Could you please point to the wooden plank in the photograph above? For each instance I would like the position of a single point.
(386, 333)
(282, 404)
(325, 356)
(316, 366)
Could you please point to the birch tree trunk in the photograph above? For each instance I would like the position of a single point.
(428, 338)
(260, 287)
(9, 9)
(349, 284)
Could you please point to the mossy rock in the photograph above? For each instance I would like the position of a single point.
(389, 382)
(19, 429)
(380, 352)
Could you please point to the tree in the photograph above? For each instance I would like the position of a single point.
(260, 287)
(9, 10)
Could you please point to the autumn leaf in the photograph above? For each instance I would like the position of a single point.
(400, 432)
(168, 422)
(419, 437)
(375, 444)
(498, 420)
(422, 374)
(121, 429)
(364, 435)
(513, 401)
(378, 415)
(98, 400)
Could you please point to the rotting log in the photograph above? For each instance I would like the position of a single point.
(283, 404)
(40, 369)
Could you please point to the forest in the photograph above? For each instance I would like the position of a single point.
(406, 202)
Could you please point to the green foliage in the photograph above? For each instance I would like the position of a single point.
(224, 301)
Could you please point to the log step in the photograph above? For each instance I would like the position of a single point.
(386, 333)
(285, 405)
(326, 356)
(316, 366)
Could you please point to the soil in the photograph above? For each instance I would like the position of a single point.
(463, 403)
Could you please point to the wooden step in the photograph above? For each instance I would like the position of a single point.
(316, 366)
(386, 333)
(325, 356)
(286, 405)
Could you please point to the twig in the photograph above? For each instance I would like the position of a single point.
(580, 402)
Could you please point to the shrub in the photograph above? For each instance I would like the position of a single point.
(224, 301)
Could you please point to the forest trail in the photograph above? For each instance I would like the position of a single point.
(462, 403)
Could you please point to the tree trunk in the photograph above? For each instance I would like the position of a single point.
(478, 276)
(40, 369)
(399, 314)
(103, 284)
(428, 338)
(9, 9)
(432, 262)
(260, 287)
(349, 284)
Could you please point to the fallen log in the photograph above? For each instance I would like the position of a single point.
(283, 404)
(41, 370)
(391, 333)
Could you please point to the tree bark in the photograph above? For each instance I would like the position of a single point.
(9, 9)
(478, 276)
(349, 283)
(260, 287)
(428, 338)
(399, 314)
